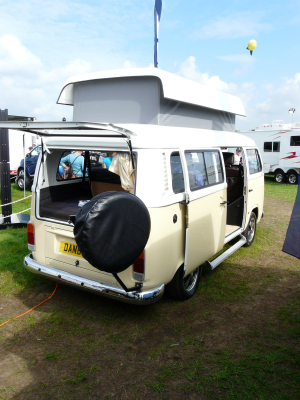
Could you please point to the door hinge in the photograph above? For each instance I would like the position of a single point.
(187, 198)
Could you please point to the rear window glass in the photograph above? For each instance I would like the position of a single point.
(177, 173)
(76, 163)
(71, 165)
(254, 161)
(295, 140)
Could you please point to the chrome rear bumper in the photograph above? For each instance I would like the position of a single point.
(146, 297)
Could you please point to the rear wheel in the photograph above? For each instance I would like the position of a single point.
(184, 287)
(279, 176)
(292, 177)
(249, 233)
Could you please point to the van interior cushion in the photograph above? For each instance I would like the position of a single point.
(100, 174)
(60, 210)
(112, 230)
(100, 187)
(61, 201)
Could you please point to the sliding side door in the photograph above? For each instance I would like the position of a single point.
(205, 187)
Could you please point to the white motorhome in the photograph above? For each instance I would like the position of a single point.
(279, 145)
(171, 198)
(18, 148)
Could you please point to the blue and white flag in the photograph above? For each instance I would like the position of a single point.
(292, 240)
(157, 14)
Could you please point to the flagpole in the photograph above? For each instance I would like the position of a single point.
(157, 14)
(155, 40)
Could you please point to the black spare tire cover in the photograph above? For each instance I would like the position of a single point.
(112, 230)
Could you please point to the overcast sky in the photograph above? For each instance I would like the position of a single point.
(42, 43)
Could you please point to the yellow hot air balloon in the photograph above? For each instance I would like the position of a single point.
(251, 45)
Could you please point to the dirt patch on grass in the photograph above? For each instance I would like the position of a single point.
(243, 318)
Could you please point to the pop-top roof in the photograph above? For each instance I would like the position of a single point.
(174, 88)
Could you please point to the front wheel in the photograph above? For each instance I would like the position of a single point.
(184, 287)
(293, 177)
(20, 182)
(279, 176)
(250, 231)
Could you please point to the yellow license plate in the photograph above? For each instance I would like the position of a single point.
(70, 248)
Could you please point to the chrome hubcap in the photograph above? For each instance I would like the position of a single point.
(251, 229)
(279, 178)
(21, 183)
(292, 178)
(190, 280)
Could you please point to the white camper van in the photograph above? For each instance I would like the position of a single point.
(279, 145)
(165, 194)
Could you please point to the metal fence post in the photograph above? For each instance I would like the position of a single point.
(5, 169)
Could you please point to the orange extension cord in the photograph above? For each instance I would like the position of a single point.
(31, 308)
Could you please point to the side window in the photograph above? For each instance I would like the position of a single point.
(35, 152)
(295, 140)
(213, 167)
(268, 146)
(177, 173)
(276, 146)
(204, 168)
(254, 161)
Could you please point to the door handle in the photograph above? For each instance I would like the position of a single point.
(250, 190)
(224, 202)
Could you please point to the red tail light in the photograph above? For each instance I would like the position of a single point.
(30, 236)
(139, 268)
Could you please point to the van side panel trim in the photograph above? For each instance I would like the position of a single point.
(114, 292)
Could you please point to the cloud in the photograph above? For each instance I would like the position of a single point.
(27, 87)
(129, 64)
(189, 70)
(237, 58)
(15, 59)
(277, 100)
(236, 25)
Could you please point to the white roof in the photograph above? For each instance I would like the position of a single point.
(174, 88)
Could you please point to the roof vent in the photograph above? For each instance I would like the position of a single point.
(166, 183)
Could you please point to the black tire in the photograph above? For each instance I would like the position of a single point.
(20, 182)
(292, 177)
(250, 231)
(279, 176)
(184, 287)
(112, 230)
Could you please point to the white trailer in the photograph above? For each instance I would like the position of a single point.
(19, 143)
(279, 145)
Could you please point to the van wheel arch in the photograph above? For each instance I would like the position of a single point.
(184, 287)
(250, 231)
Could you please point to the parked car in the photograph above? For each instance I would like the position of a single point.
(31, 159)
(171, 199)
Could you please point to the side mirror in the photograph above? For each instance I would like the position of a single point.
(27, 155)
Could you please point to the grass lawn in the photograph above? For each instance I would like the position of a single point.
(237, 338)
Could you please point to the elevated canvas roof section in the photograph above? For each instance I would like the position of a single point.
(174, 88)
